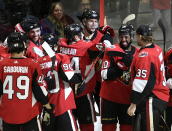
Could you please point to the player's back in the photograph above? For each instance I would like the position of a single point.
(18, 103)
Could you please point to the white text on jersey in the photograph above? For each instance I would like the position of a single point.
(15, 69)
(68, 51)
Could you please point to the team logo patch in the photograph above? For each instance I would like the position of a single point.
(143, 54)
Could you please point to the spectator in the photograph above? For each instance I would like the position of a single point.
(56, 20)
(161, 10)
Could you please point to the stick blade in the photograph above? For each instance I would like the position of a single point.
(129, 18)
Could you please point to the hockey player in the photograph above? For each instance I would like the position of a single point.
(74, 46)
(21, 88)
(149, 94)
(58, 74)
(116, 87)
(31, 27)
(103, 37)
(168, 64)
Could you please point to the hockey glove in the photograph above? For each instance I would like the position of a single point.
(127, 59)
(107, 30)
(48, 116)
(50, 80)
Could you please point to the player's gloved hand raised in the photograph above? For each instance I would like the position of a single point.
(107, 30)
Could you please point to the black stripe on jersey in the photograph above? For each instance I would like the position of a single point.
(113, 71)
(150, 46)
(77, 78)
(137, 97)
(37, 91)
(62, 75)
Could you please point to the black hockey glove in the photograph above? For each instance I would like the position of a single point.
(113, 71)
(50, 80)
(48, 116)
(127, 60)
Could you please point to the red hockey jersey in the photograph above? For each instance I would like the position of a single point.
(149, 75)
(115, 90)
(34, 51)
(4, 52)
(168, 64)
(62, 95)
(80, 61)
(18, 104)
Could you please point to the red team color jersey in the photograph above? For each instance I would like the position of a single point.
(4, 52)
(80, 61)
(114, 90)
(149, 74)
(18, 104)
(62, 95)
(168, 62)
(34, 51)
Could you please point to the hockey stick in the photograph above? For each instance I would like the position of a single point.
(165, 124)
(82, 87)
(164, 34)
(128, 18)
(50, 52)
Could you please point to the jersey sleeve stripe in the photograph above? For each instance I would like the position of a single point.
(104, 74)
(139, 85)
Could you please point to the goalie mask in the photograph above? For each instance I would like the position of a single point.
(71, 31)
(16, 42)
(126, 35)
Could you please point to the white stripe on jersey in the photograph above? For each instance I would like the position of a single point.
(151, 114)
(69, 74)
(44, 90)
(104, 74)
(91, 74)
(67, 89)
(39, 123)
(72, 120)
(161, 57)
(139, 85)
(91, 107)
(33, 100)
